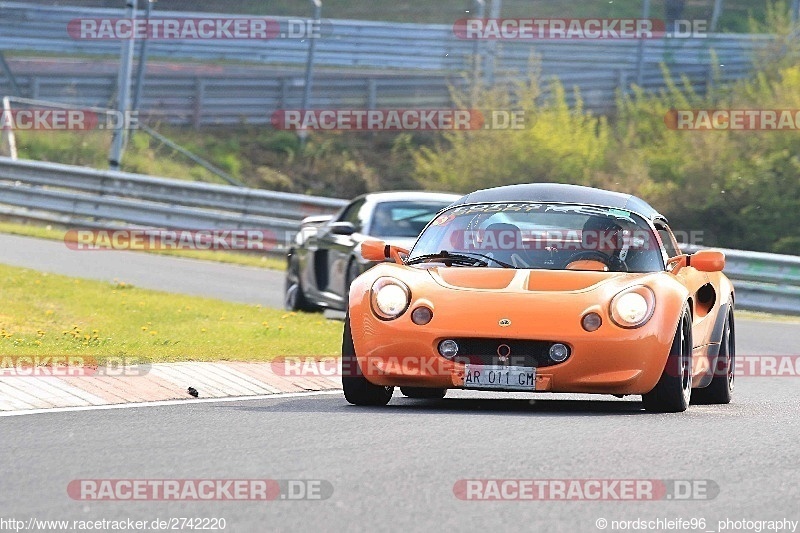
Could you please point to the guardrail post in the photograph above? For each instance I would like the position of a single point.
(286, 85)
(372, 93)
(199, 96)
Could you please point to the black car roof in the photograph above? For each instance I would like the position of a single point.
(561, 193)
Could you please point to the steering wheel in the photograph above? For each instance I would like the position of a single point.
(613, 263)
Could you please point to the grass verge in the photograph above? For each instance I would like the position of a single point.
(244, 259)
(47, 315)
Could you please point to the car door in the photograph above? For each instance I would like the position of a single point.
(702, 292)
(335, 247)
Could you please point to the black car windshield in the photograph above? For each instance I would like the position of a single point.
(403, 218)
(544, 236)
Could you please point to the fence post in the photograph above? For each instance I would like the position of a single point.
(480, 12)
(715, 16)
(312, 44)
(494, 13)
(640, 51)
(12, 81)
(123, 93)
(8, 129)
(140, 68)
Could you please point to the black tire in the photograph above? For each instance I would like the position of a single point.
(294, 299)
(353, 271)
(720, 390)
(423, 393)
(357, 389)
(673, 392)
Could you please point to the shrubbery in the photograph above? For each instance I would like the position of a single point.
(741, 188)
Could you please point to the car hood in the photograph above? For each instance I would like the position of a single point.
(506, 279)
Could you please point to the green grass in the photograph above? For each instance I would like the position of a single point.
(244, 259)
(48, 315)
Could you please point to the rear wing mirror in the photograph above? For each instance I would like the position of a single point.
(380, 251)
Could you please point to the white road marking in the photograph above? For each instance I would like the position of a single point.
(171, 402)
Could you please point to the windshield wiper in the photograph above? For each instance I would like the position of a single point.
(461, 258)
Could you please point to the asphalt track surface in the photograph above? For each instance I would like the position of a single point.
(150, 271)
(395, 468)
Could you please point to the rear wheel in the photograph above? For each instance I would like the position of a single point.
(423, 393)
(720, 390)
(673, 392)
(357, 389)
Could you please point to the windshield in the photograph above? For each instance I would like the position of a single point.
(403, 218)
(543, 236)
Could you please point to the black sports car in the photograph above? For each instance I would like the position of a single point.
(326, 254)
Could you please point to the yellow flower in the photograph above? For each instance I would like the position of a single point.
(203, 330)
(154, 333)
(144, 328)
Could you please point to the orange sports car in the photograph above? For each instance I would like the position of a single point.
(542, 288)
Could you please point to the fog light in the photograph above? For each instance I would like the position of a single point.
(558, 352)
(448, 348)
(591, 322)
(421, 316)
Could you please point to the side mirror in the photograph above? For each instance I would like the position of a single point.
(380, 251)
(342, 228)
(707, 261)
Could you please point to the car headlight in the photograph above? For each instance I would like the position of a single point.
(633, 307)
(390, 298)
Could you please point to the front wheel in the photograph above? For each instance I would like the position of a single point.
(294, 299)
(357, 389)
(673, 392)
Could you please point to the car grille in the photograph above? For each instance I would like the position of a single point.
(529, 353)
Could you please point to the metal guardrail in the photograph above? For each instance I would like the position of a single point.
(430, 48)
(83, 197)
(763, 282)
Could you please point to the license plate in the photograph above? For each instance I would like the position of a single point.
(499, 377)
